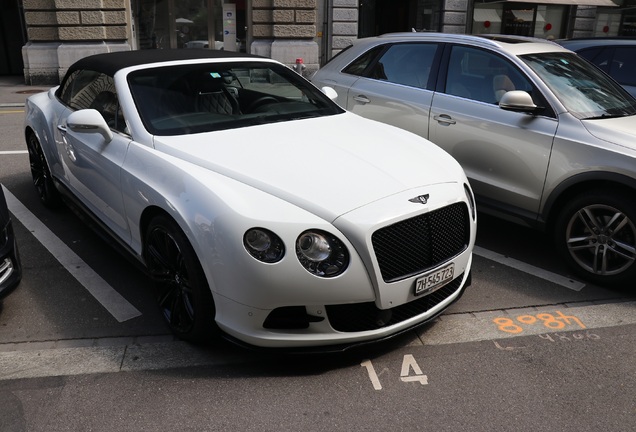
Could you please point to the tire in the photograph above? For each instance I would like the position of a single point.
(596, 235)
(183, 293)
(41, 174)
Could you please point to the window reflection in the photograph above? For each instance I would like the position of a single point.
(210, 24)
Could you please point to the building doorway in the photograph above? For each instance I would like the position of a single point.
(377, 17)
(12, 37)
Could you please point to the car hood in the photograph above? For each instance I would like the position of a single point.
(620, 130)
(328, 165)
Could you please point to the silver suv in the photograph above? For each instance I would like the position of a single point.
(546, 138)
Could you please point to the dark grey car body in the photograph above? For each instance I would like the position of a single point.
(10, 266)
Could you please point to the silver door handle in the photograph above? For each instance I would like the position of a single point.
(362, 99)
(62, 128)
(444, 118)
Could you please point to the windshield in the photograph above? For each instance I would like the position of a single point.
(188, 99)
(586, 92)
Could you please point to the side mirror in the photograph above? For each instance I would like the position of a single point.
(89, 121)
(330, 92)
(517, 100)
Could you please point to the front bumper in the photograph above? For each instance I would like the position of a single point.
(331, 328)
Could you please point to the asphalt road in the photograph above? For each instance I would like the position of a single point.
(82, 346)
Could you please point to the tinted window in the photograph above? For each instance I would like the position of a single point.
(598, 55)
(406, 64)
(623, 68)
(89, 89)
(205, 97)
(482, 76)
(360, 64)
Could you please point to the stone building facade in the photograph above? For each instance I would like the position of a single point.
(59, 32)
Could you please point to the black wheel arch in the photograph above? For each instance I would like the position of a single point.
(582, 183)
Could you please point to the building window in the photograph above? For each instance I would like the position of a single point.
(214, 24)
(523, 19)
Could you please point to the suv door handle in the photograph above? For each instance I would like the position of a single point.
(362, 99)
(444, 119)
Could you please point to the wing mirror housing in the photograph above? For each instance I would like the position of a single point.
(517, 100)
(330, 92)
(89, 121)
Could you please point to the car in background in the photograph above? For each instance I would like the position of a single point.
(10, 266)
(615, 56)
(261, 209)
(546, 139)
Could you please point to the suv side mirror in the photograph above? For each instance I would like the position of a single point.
(330, 92)
(517, 100)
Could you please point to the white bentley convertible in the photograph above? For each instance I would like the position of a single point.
(261, 210)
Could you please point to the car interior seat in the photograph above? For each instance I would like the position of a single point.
(214, 97)
(501, 84)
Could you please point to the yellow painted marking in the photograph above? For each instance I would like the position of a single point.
(11, 112)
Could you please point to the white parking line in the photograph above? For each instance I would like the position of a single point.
(114, 303)
(13, 152)
(527, 268)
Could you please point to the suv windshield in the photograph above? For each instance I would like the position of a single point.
(586, 92)
(195, 98)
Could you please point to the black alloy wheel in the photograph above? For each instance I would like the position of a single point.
(41, 174)
(183, 293)
(596, 234)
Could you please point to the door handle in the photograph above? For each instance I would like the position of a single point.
(444, 119)
(62, 129)
(362, 99)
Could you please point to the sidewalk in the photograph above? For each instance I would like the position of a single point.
(13, 91)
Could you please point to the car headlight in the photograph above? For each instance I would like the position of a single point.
(321, 253)
(264, 245)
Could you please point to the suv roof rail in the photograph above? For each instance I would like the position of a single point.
(427, 34)
(489, 39)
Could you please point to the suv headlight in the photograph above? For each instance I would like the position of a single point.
(321, 253)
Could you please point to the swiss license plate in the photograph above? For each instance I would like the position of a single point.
(434, 280)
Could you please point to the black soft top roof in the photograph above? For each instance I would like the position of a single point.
(110, 63)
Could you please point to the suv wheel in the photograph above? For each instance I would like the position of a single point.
(596, 234)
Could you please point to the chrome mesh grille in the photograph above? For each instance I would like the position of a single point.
(416, 245)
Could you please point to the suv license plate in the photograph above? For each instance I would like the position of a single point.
(434, 280)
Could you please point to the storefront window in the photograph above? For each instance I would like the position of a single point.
(607, 22)
(487, 19)
(428, 14)
(628, 26)
(385, 16)
(523, 19)
(553, 24)
(215, 24)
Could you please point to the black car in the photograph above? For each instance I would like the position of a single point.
(615, 56)
(10, 267)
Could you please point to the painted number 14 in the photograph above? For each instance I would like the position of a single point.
(408, 364)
